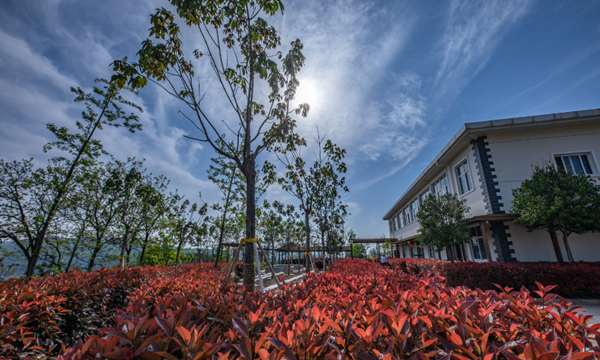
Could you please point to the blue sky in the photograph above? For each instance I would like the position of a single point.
(391, 82)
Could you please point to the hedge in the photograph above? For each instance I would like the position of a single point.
(574, 281)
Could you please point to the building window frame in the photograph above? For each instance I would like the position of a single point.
(414, 208)
(590, 156)
(431, 252)
(467, 174)
(439, 179)
(477, 245)
(406, 214)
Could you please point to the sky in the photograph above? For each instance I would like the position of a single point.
(389, 81)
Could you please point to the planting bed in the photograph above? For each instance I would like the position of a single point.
(575, 281)
(357, 310)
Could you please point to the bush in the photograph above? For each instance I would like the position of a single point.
(45, 315)
(575, 281)
(359, 310)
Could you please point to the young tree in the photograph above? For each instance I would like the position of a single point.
(223, 173)
(318, 186)
(104, 200)
(242, 50)
(153, 207)
(359, 251)
(329, 186)
(186, 221)
(555, 200)
(27, 226)
(271, 221)
(443, 222)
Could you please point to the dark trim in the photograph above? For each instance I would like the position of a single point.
(484, 164)
(501, 242)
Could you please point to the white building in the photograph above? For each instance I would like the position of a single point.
(482, 163)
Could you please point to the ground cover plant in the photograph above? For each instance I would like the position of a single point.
(45, 315)
(357, 310)
(573, 281)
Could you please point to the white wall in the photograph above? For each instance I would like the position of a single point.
(513, 156)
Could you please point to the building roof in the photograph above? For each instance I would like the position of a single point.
(373, 241)
(470, 131)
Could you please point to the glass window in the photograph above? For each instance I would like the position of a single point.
(408, 215)
(400, 220)
(440, 187)
(424, 195)
(574, 164)
(431, 252)
(477, 244)
(465, 183)
(414, 208)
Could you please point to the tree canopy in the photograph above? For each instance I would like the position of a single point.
(555, 200)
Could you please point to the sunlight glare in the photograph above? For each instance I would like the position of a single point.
(308, 92)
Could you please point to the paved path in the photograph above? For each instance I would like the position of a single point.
(590, 309)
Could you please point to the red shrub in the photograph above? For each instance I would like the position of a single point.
(43, 316)
(359, 310)
(580, 280)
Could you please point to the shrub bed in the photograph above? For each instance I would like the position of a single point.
(575, 281)
(359, 310)
(45, 315)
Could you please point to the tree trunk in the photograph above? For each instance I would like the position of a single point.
(178, 250)
(220, 248)
(556, 246)
(449, 253)
(123, 247)
(250, 223)
(306, 219)
(141, 259)
(567, 247)
(72, 255)
(323, 248)
(97, 249)
(35, 254)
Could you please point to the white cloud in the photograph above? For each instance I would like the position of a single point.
(472, 33)
(17, 55)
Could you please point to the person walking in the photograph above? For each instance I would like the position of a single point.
(384, 261)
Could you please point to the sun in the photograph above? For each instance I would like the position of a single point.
(308, 92)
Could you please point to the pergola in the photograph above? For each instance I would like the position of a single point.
(375, 241)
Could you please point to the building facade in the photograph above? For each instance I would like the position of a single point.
(482, 163)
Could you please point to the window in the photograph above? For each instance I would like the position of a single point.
(414, 208)
(440, 187)
(465, 184)
(391, 228)
(477, 244)
(424, 195)
(578, 164)
(407, 216)
(431, 252)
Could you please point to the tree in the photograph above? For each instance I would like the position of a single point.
(319, 186)
(186, 221)
(359, 251)
(222, 173)
(242, 51)
(555, 200)
(153, 208)
(19, 186)
(329, 187)
(272, 219)
(104, 200)
(443, 222)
